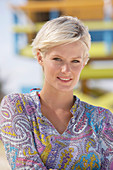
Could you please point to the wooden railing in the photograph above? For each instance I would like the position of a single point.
(83, 9)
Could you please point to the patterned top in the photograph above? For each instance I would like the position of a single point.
(32, 143)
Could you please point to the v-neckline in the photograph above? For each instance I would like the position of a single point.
(37, 96)
(52, 124)
(54, 128)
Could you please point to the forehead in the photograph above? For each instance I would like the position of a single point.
(75, 49)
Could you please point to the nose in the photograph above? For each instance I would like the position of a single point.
(65, 68)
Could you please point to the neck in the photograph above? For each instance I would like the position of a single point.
(57, 99)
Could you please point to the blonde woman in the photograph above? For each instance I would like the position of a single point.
(52, 128)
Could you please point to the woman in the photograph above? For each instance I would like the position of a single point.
(53, 129)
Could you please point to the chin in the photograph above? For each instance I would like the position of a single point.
(65, 89)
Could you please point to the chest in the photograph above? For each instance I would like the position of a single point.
(69, 150)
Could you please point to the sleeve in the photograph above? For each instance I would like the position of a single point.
(16, 135)
(106, 138)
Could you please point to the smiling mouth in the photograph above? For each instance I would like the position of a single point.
(64, 79)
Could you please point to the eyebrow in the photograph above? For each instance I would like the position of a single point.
(79, 57)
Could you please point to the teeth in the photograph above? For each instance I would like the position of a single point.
(64, 79)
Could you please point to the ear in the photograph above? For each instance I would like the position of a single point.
(86, 59)
(39, 58)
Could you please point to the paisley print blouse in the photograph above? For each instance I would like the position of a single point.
(32, 142)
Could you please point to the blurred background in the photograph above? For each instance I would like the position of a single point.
(20, 20)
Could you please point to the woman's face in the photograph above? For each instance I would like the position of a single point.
(62, 66)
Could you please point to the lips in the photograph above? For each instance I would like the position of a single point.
(64, 79)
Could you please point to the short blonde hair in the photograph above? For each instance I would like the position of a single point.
(61, 30)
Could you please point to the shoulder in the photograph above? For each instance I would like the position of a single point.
(97, 116)
(18, 102)
(16, 97)
(94, 110)
(12, 99)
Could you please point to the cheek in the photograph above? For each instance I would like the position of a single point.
(78, 69)
(50, 68)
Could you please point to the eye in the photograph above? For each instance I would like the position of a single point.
(75, 61)
(57, 59)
